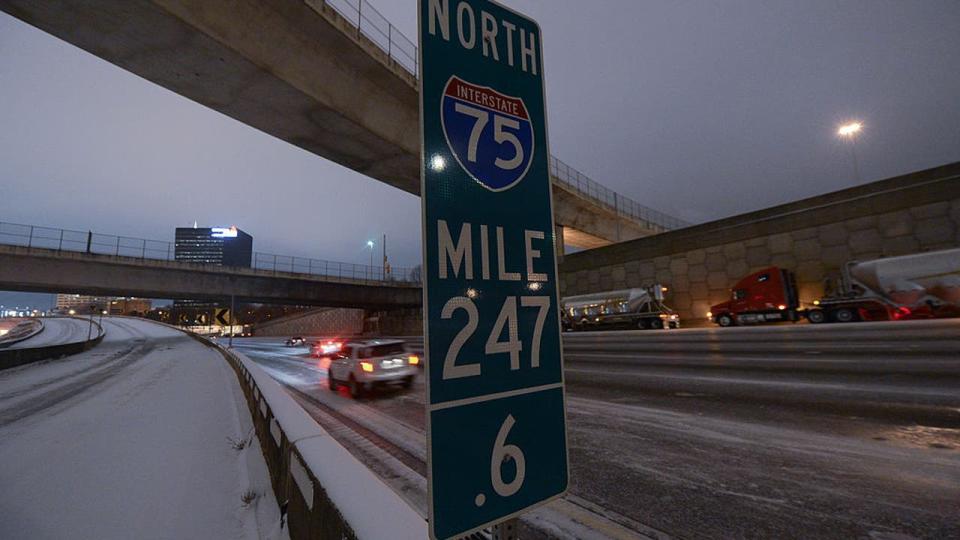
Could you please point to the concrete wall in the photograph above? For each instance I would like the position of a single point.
(813, 237)
(319, 322)
(395, 322)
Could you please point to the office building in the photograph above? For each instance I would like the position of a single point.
(80, 303)
(214, 245)
(219, 246)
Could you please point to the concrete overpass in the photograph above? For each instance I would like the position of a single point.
(35, 269)
(300, 70)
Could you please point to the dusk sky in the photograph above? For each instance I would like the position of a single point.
(698, 109)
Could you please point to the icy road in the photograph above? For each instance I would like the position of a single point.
(132, 439)
(847, 431)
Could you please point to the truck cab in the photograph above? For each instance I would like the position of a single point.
(765, 296)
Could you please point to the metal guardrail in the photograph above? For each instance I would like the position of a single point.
(623, 206)
(35, 236)
(375, 27)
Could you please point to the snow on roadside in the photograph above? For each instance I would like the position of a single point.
(145, 453)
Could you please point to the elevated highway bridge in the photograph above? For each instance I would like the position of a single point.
(333, 78)
(40, 259)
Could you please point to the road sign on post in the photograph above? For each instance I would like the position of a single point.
(496, 434)
(222, 316)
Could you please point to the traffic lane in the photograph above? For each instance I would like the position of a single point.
(899, 399)
(696, 475)
(764, 478)
(888, 330)
(58, 331)
(289, 365)
(801, 390)
(295, 368)
(883, 363)
(611, 451)
(52, 385)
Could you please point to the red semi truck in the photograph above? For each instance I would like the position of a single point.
(923, 285)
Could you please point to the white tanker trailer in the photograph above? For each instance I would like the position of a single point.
(922, 285)
(641, 307)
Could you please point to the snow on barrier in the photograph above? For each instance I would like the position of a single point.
(17, 357)
(327, 492)
(23, 330)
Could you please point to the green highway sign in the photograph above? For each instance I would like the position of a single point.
(496, 434)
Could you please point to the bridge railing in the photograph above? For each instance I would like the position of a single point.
(624, 206)
(375, 27)
(35, 236)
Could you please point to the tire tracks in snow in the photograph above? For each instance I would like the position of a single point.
(76, 386)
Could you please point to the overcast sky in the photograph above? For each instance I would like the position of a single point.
(701, 109)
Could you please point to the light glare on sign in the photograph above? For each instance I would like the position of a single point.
(221, 232)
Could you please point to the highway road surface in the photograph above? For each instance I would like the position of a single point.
(58, 331)
(799, 431)
(130, 439)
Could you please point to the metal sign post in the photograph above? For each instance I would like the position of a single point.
(496, 430)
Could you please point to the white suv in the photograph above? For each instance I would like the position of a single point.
(363, 365)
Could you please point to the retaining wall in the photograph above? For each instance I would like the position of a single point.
(323, 321)
(813, 237)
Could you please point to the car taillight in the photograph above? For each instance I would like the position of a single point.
(366, 366)
(413, 360)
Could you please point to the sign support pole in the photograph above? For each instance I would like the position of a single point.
(232, 310)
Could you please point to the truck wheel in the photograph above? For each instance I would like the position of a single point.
(408, 382)
(845, 315)
(816, 316)
(356, 388)
(725, 320)
(656, 324)
(641, 324)
(332, 383)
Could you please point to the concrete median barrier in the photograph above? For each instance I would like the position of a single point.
(327, 493)
(23, 330)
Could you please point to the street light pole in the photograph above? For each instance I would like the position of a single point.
(853, 153)
(370, 268)
(849, 132)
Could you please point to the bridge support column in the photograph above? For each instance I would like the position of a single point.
(558, 241)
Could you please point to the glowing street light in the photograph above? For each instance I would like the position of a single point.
(849, 132)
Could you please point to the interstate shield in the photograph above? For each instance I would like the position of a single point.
(489, 133)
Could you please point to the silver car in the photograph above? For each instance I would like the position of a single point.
(363, 365)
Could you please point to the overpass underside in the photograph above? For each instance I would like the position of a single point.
(295, 69)
(53, 271)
